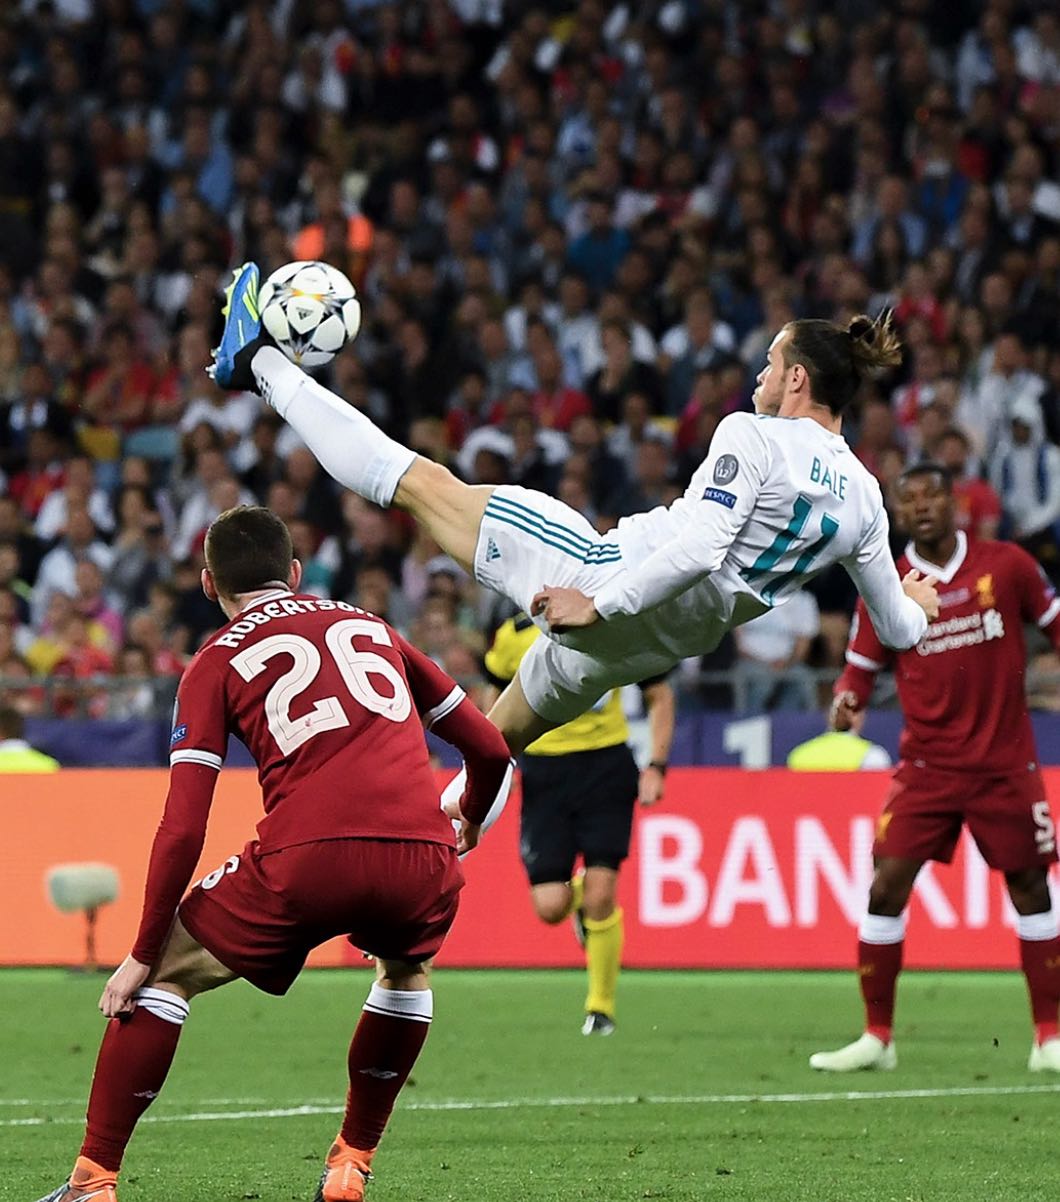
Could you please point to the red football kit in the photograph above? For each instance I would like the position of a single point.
(967, 750)
(332, 704)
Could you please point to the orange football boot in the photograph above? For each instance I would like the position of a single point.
(346, 1171)
(88, 1181)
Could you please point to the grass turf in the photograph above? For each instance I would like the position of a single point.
(622, 1132)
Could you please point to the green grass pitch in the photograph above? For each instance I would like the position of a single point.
(703, 1093)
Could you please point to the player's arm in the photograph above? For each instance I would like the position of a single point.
(447, 711)
(1038, 600)
(705, 528)
(197, 749)
(662, 708)
(899, 609)
(866, 656)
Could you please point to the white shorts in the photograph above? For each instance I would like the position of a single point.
(529, 541)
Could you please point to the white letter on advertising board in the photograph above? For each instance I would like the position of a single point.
(750, 844)
(936, 905)
(676, 863)
(816, 857)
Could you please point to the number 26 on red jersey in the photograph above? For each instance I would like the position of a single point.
(356, 667)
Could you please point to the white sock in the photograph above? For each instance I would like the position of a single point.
(167, 1006)
(882, 929)
(416, 1004)
(346, 443)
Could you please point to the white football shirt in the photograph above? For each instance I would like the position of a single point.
(776, 501)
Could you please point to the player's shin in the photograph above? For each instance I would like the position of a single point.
(347, 444)
(133, 1062)
(389, 1037)
(1040, 959)
(604, 938)
(881, 939)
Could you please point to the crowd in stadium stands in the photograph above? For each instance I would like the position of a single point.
(575, 228)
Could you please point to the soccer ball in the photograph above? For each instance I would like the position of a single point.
(310, 310)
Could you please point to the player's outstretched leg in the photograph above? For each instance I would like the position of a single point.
(133, 1063)
(386, 1044)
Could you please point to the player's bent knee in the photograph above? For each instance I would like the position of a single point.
(186, 968)
(552, 901)
(403, 974)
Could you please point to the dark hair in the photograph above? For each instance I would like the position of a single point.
(928, 467)
(959, 434)
(247, 548)
(837, 360)
(12, 724)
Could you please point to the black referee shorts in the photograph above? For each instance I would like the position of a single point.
(576, 804)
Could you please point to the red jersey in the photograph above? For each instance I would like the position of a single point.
(332, 703)
(961, 689)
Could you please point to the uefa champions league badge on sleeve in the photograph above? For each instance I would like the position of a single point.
(726, 469)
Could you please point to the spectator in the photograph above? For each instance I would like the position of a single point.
(58, 569)
(771, 671)
(1025, 470)
(977, 505)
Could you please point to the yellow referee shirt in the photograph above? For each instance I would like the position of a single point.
(602, 726)
(16, 755)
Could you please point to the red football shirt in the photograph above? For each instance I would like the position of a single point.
(332, 704)
(962, 688)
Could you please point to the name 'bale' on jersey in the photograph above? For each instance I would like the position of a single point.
(331, 702)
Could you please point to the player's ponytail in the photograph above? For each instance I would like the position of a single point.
(874, 345)
(839, 359)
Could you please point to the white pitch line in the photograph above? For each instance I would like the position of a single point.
(724, 1099)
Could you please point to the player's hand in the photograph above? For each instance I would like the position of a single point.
(652, 786)
(564, 608)
(118, 993)
(846, 713)
(924, 591)
(467, 837)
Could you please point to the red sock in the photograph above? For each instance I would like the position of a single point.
(133, 1061)
(879, 963)
(388, 1039)
(1040, 959)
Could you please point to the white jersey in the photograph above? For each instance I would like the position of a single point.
(776, 501)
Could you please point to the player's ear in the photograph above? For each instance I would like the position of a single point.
(208, 586)
(294, 576)
(797, 379)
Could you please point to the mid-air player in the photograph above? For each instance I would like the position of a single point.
(774, 502)
(967, 758)
(332, 704)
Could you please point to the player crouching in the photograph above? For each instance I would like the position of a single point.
(332, 703)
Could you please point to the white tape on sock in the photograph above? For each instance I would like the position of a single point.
(166, 1006)
(882, 929)
(416, 1004)
(1036, 928)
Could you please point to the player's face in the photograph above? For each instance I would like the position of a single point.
(924, 508)
(769, 394)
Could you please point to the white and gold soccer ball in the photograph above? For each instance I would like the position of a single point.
(310, 310)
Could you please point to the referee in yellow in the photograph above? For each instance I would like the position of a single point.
(16, 755)
(580, 787)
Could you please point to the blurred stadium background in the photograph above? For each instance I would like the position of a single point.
(575, 228)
